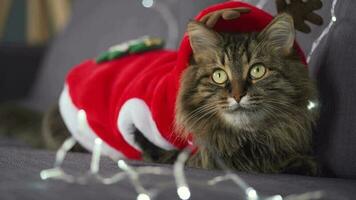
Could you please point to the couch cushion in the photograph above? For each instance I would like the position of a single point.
(20, 168)
(335, 66)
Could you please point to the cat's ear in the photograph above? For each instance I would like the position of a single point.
(204, 41)
(279, 34)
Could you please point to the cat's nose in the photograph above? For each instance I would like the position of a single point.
(238, 90)
(238, 97)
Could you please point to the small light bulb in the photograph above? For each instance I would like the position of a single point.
(82, 120)
(276, 197)
(311, 105)
(82, 115)
(147, 3)
(51, 173)
(122, 164)
(44, 175)
(98, 141)
(183, 192)
(251, 194)
(143, 196)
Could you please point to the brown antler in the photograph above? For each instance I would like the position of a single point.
(210, 19)
(301, 11)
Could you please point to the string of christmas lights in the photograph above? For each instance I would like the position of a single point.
(325, 31)
(127, 172)
(167, 15)
(133, 174)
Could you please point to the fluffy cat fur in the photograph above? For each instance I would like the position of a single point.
(251, 125)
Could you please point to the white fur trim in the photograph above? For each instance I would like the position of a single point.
(135, 113)
(75, 120)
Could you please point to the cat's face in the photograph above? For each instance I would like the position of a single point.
(243, 81)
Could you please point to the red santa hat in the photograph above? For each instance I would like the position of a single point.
(138, 91)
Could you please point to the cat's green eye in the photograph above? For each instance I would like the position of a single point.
(219, 76)
(257, 71)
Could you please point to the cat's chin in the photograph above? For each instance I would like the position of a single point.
(239, 119)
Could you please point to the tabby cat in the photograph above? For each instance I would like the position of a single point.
(245, 99)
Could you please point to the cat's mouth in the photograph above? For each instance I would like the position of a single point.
(239, 113)
(238, 117)
(235, 107)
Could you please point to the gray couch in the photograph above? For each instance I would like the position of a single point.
(96, 25)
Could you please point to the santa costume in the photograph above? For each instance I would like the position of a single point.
(109, 98)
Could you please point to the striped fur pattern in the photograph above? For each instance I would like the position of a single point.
(252, 125)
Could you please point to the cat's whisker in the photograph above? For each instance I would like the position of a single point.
(273, 109)
(191, 115)
(209, 112)
(281, 110)
(287, 106)
(279, 102)
(195, 121)
(194, 118)
(201, 110)
(214, 112)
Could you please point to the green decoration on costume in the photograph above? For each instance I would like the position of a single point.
(146, 45)
(131, 47)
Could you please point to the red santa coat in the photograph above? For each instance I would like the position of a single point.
(109, 100)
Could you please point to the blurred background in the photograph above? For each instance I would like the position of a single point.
(26, 29)
(32, 22)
